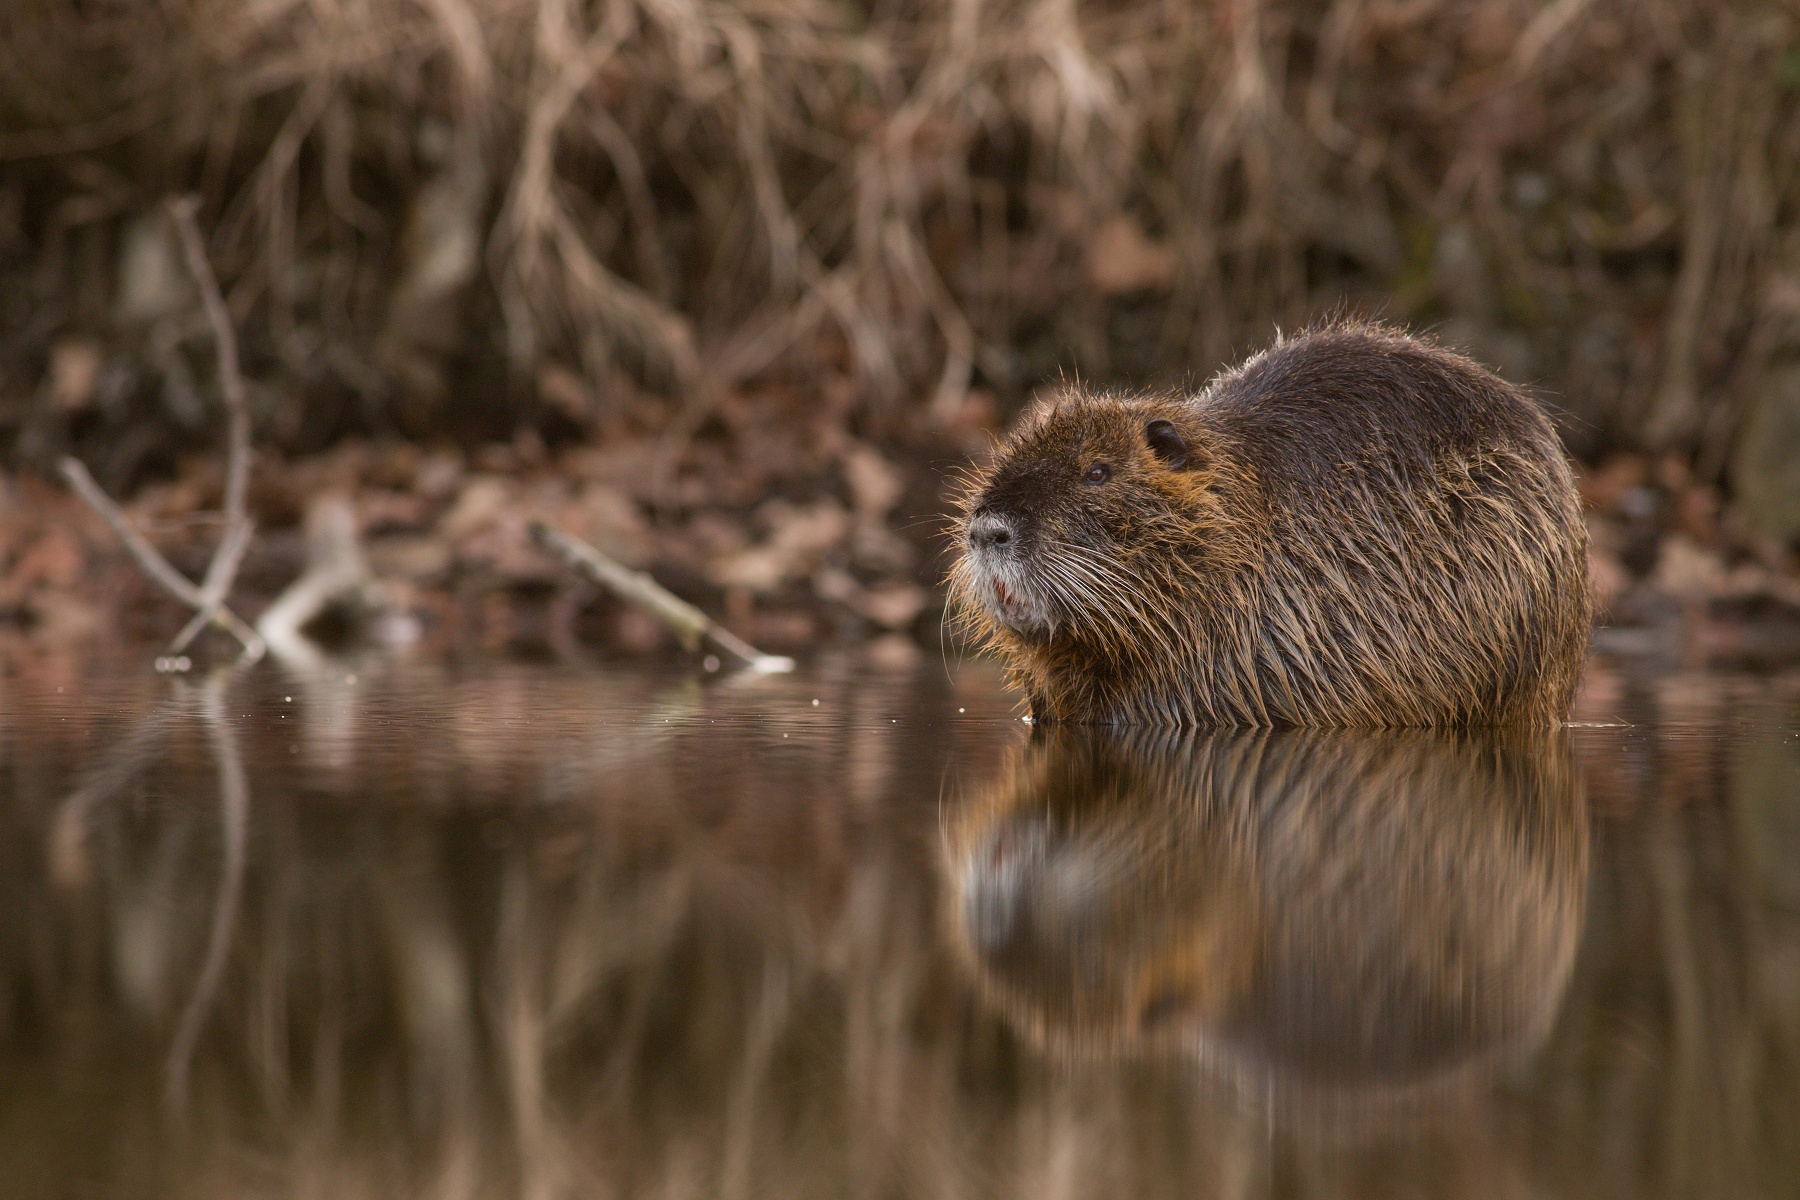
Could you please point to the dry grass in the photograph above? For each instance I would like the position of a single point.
(1597, 194)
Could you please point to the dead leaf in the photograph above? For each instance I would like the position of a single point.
(1687, 570)
(438, 474)
(608, 518)
(1602, 486)
(798, 537)
(54, 559)
(876, 485)
(893, 605)
(1122, 259)
(74, 370)
(477, 506)
(1608, 576)
(839, 587)
(410, 558)
(565, 391)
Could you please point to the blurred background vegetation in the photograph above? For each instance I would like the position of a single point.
(726, 287)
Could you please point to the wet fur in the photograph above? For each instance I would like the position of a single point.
(1369, 530)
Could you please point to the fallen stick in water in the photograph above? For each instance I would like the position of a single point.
(694, 628)
(335, 574)
(157, 567)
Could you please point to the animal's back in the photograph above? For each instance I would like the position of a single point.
(1311, 404)
(1425, 546)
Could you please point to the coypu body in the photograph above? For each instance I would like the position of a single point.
(1354, 528)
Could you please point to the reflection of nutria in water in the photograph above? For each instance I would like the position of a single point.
(1320, 912)
(1353, 528)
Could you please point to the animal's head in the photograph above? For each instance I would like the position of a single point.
(1088, 502)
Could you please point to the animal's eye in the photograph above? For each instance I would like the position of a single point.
(1098, 473)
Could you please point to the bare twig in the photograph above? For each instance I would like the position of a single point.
(207, 600)
(219, 575)
(151, 560)
(693, 627)
(231, 389)
(148, 557)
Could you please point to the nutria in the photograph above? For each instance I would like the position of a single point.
(1314, 912)
(1355, 527)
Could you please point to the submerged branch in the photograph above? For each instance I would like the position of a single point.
(692, 626)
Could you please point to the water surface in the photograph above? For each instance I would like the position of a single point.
(492, 930)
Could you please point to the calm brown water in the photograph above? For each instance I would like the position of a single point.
(505, 931)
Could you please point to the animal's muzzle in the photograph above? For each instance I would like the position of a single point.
(989, 530)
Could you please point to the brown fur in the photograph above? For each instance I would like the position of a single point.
(1360, 529)
(1314, 908)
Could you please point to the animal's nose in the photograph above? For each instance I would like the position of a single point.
(989, 531)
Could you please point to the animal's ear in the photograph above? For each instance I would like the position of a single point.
(1167, 443)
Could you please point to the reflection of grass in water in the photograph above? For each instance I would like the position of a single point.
(740, 991)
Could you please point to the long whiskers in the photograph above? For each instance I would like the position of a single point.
(1091, 588)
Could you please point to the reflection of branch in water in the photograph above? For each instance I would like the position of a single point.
(685, 1004)
(127, 761)
(124, 762)
(234, 806)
